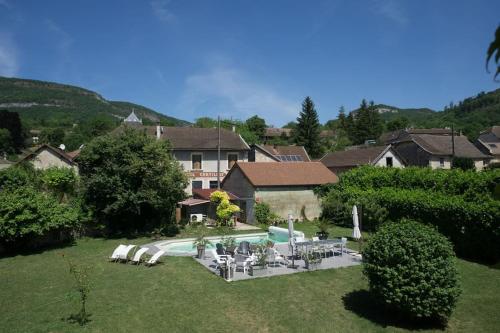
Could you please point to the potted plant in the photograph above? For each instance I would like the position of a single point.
(312, 260)
(201, 243)
(259, 267)
(323, 230)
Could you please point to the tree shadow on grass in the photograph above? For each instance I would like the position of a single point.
(364, 304)
(77, 318)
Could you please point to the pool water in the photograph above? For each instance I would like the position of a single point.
(186, 246)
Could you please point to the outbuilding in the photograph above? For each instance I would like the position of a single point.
(286, 187)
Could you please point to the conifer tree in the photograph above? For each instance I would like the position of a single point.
(309, 128)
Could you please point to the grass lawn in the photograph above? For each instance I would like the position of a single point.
(180, 295)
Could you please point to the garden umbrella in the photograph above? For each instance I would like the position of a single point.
(291, 240)
(356, 233)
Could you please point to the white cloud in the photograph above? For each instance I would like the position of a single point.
(392, 10)
(9, 63)
(64, 39)
(161, 10)
(233, 93)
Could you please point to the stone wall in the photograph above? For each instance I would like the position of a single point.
(293, 199)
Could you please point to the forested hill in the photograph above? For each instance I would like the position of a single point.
(470, 116)
(49, 104)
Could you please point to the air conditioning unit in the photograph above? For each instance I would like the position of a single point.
(196, 218)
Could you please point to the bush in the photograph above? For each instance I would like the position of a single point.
(463, 163)
(263, 212)
(411, 268)
(26, 213)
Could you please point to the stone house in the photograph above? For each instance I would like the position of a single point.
(488, 143)
(196, 150)
(46, 156)
(436, 151)
(341, 161)
(286, 187)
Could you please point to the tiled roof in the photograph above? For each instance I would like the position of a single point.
(286, 151)
(194, 138)
(58, 152)
(396, 135)
(490, 139)
(353, 157)
(442, 145)
(262, 174)
(273, 132)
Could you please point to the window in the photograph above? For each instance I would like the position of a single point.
(197, 184)
(388, 161)
(213, 184)
(196, 161)
(492, 145)
(441, 162)
(231, 159)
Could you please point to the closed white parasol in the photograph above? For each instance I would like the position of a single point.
(356, 233)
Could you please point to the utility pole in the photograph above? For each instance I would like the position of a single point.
(218, 152)
(452, 141)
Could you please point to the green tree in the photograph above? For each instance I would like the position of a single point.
(309, 128)
(205, 122)
(365, 124)
(342, 122)
(131, 181)
(398, 123)
(12, 122)
(257, 125)
(53, 137)
(6, 143)
(493, 49)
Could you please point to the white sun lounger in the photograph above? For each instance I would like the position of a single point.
(137, 257)
(154, 258)
(116, 253)
(124, 254)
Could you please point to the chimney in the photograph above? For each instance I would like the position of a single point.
(158, 132)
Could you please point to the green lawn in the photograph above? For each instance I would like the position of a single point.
(180, 295)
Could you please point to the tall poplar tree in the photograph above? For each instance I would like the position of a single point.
(308, 129)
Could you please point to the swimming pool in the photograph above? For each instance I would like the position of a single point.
(184, 247)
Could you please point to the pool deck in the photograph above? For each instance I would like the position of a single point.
(348, 258)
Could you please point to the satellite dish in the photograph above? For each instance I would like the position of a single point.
(62, 146)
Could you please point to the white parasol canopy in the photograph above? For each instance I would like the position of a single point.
(290, 230)
(356, 233)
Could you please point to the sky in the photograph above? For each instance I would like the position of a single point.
(233, 58)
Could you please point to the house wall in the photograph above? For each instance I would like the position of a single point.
(46, 159)
(293, 199)
(434, 162)
(209, 165)
(396, 162)
(261, 157)
(238, 184)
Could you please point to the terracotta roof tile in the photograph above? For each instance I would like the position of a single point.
(261, 174)
(287, 150)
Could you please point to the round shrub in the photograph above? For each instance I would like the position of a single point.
(411, 269)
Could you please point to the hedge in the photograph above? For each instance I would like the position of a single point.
(473, 227)
(471, 184)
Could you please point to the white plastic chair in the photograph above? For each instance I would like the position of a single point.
(273, 256)
(124, 254)
(220, 259)
(116, 253)
(137, 257)
(154, 258)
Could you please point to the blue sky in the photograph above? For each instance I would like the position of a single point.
(239, 58)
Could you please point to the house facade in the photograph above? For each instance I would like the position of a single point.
(383, 156)
(196, 150)
(288, 188)
(437, 151)
(46, 156)
(488, 143)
